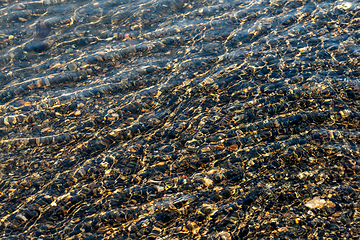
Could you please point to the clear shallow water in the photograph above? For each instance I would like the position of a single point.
(187, 119)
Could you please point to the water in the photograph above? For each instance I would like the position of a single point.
(179, 119)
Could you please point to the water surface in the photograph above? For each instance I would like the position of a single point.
(179, 119)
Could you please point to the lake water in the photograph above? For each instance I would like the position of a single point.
(179, 119)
